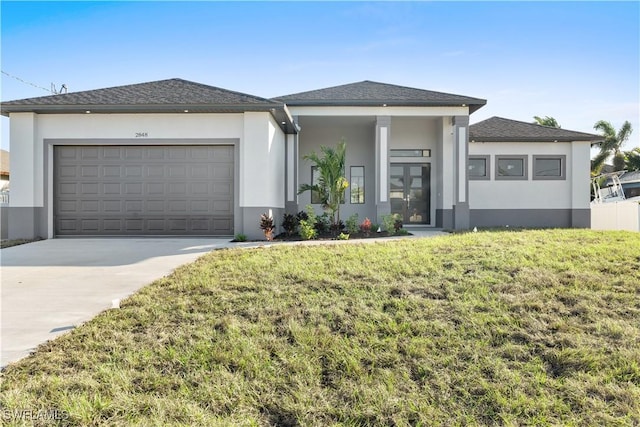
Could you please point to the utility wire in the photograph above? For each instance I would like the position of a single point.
(26, 82)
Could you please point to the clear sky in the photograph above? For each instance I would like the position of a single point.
(575, 61)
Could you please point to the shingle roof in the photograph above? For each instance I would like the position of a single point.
(172, 95)
(368, 93)
(631, 176)
(162, 92)
(498, 129)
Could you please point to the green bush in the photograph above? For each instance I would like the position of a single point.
(240, 237)
(308, 226)
(342, 236)
(352, 224)
(307, 230)
(389, 223)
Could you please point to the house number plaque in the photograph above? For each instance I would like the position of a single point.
(142, 134)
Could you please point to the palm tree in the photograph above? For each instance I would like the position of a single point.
(613, 142)
(632, 159)
(547, 121)
(331, 183)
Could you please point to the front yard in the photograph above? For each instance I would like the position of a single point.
(530, 327)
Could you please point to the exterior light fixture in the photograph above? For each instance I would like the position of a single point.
(186, 111)
(88, 112)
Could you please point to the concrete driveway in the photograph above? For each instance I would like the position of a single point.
(50, 286)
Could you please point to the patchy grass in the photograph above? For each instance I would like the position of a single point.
(506, 328)
(15, 242)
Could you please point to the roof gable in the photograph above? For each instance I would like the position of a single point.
(498, 129)
(368, 93)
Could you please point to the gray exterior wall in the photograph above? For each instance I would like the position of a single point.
(251, 221)
(359, 134)
(531, 218)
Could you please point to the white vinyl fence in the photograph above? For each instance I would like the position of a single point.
(616, 216)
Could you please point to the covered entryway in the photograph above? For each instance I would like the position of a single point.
(143, 190)
(410, 192)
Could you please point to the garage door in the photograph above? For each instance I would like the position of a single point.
(143, 190)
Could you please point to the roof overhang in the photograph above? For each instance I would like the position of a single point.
(279, 112)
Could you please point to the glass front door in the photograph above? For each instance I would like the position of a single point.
(411, 192)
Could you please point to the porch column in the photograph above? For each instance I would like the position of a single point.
(291, 173)
(460, 167)
(383, 134)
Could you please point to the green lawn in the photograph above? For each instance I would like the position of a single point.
(488, 328)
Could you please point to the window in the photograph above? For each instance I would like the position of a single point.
(315, 177)
(357, 184)
(479, 167)
(511, 167)
(549, 167)
(410, 153)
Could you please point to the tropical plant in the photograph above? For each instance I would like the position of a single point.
(289, 223)
(365, 227)
(331, 183)
(267, 226)
(342, 236)
(611, 145)
(352, 224)
(632, 159)
(389, 222)
(546, 121)
(307, 224)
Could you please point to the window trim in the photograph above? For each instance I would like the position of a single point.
(563, 167)
(311, 197)
(364, 200)
(525, 167)
(487, 168)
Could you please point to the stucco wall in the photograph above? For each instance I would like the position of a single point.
(359, 134)
(262, 162)
(260, 180)
(570, 193)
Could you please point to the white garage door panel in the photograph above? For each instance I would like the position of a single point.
(163, 190)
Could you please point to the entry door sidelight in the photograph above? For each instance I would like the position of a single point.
(410, 192)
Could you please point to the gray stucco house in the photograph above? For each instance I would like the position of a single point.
(174, 157)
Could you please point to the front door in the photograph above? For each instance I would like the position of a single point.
(411, 192)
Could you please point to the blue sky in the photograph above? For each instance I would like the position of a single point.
(576, 61)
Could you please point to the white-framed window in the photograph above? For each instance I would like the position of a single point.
(315, 176)
(357, 185)
(549, 167)
(511, 167)
(478, 168)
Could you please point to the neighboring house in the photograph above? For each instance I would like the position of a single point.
(5, 167)
(630, 182)
(174, 157)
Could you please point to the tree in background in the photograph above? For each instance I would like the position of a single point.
(331, 183)
(612, 144)
(546, 121)
(632, 159)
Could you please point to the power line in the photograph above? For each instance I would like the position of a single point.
(28, 83)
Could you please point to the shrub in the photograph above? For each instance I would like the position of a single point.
(290, 223)
(323, 223)
(352, 224)
(267, 225)
(240, 237)
(365, 227)
(402, 232)
(397, 226)
(342, 236)
(307, 230)
(307, 226)
(389, 222)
